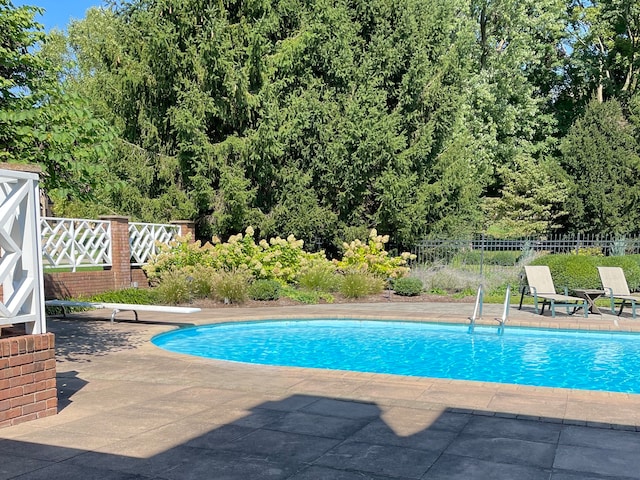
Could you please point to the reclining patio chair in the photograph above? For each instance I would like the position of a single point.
(540, 287)
(616, 287)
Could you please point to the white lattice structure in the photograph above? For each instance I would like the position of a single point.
(22, 298)
(76, 242)
(144, 237)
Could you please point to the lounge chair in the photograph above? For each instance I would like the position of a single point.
(615, 286)
(540, 287)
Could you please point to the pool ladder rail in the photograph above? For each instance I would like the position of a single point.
(477, 310)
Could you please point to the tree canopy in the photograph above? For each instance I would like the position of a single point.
(323, 118)
(41, 122)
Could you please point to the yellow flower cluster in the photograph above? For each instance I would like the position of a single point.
(371, 257)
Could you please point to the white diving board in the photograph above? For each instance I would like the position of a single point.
(120, 307)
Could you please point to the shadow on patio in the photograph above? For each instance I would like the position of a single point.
(315, 437)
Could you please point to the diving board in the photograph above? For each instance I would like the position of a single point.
(120, 307)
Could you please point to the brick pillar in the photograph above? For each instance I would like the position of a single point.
(187, 227)
(27, 378)
(120, 251)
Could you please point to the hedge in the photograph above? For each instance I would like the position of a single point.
(580, 271)
(505, 258)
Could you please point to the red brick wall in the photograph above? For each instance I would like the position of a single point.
(27, 378)
(138, 276)
(73, 284)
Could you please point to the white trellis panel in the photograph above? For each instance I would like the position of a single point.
(144, 238)
(76, 242)
(22, 297)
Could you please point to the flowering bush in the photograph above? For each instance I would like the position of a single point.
(277, 259)
(372, 258)
(178, 254)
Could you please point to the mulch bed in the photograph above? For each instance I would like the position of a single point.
(380, 298)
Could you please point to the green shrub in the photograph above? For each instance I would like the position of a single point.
(357, 285)
(322, 278)
(408, 286)
(588, 251)
(467, 292)
(571, 271)
(138, 296)
(619, 246)
(231, 287)
(306, 296)
(174, 287)
(631, 266)
(264, 290)
(467, 257)
(302, 296)
(505, 258)
(580, 271)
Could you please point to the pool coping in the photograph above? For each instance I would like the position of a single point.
(603, 415)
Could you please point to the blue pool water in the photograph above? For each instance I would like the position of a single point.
(551, 358)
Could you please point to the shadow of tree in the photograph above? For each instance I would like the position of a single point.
(79, 337)
(303, 437)
(77, 340)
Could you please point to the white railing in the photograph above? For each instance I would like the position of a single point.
(144, 237)
(22, 296)
(76, 242)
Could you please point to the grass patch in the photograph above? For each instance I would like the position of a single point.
(231, 287)
(136, 296)
(358, 285)
(92, 268)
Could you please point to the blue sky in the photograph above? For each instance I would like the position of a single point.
(59, 12)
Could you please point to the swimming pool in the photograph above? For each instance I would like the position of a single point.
(524, 356)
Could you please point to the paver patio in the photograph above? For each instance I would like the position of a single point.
(129, 410)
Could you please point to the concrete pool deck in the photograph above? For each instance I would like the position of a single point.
(128, 410)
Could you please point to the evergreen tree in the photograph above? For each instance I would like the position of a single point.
(603, 158)
(296, 117)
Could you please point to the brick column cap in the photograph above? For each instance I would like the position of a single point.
(187, 227)
(120, 218)
(21, 167)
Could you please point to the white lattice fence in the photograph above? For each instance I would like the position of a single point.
(76, 242)
(20, 261)
(144, 237)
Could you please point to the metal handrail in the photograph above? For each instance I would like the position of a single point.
(502, 321)
(477, 309)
